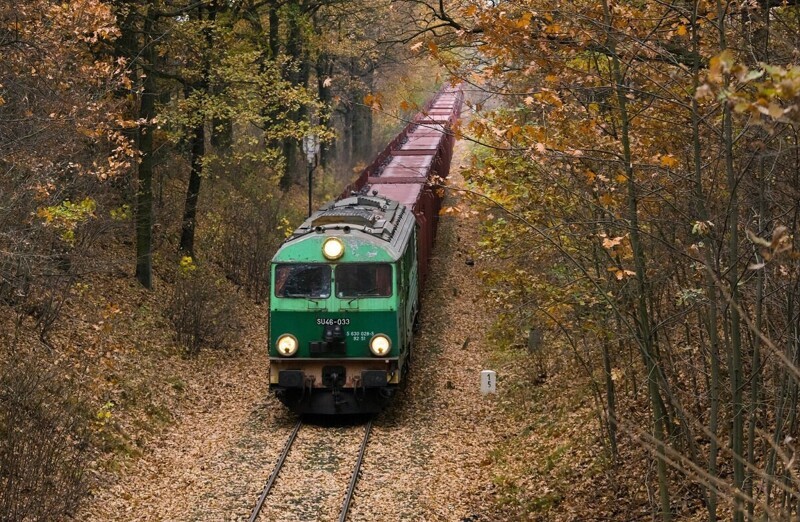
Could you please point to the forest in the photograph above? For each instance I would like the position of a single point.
(635, 166)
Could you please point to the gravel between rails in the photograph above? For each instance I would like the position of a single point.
(428, 456)
(314, 479)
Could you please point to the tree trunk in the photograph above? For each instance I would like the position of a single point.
(197, 147)
(297, 73)
(274, 25)
(346, 143)
(735, 360)
(644, 333)
(144, 193)
(610, 400)
(711, 318)
(197, 139)
(760, 21)
(362, 125)
(324, 69)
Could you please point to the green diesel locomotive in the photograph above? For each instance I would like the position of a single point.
(345, 298)
(345, 285)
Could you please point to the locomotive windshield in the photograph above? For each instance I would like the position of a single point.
(364, 280)
(303, 280)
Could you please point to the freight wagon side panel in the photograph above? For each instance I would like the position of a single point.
(425, 204)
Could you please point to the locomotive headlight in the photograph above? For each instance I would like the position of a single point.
(287, 345)
(380, 345)
(333, 248)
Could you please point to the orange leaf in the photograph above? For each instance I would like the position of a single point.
(669, 161)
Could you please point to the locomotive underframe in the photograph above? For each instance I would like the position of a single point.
(334, 386)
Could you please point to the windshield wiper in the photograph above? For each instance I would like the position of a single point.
(365, 293)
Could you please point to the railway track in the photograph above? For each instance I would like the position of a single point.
(287, 447)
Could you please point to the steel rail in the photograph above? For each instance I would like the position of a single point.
(274, 475)
(354, 478)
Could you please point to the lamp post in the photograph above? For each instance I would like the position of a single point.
(311, 148)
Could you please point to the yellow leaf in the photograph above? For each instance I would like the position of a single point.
(721, 63)
(45, 214)
(681, 30)
(668, 161)
(552, 29)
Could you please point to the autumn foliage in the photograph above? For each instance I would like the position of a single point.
(636, 162)
(640, 165)
(134, 135)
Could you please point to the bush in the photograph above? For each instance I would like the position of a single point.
(243, 237)
(203, 310)
(43, 444)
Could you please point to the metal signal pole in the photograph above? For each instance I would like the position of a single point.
(311, 148)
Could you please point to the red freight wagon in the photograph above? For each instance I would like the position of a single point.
(425, 205)
(414, 161)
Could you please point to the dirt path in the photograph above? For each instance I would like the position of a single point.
(428, 459)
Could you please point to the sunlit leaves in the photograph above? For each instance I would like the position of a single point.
(669, 161)
(67, 216)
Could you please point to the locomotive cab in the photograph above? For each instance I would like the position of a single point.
(342, 307)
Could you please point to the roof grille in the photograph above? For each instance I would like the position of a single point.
(350, 216)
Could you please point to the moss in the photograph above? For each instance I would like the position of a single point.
(177, 384)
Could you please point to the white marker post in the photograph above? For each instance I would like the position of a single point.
(488, 382)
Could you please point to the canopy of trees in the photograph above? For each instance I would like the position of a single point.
(641, 159)
(157, 140)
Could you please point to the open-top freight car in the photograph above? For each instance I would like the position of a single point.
(346, 284)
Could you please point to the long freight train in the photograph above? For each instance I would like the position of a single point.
(346, 284)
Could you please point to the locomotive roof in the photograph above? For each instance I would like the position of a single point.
(373, 215)
(373, 228)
